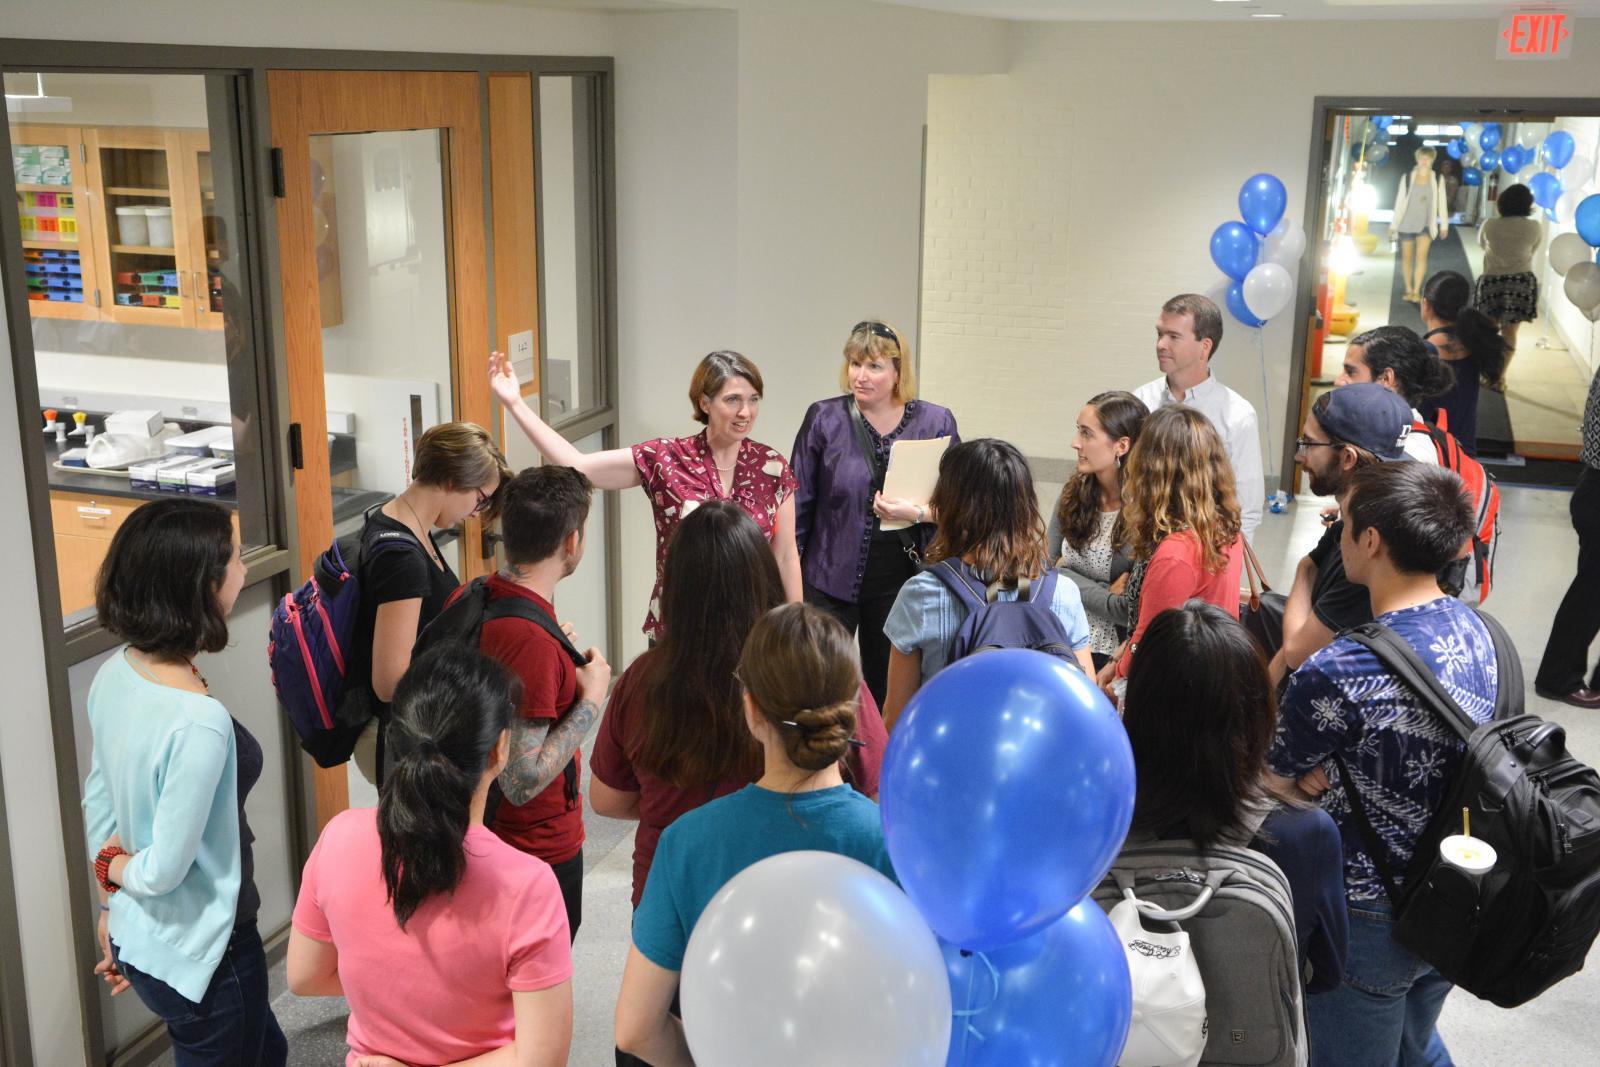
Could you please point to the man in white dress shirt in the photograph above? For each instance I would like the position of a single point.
(1187, 335)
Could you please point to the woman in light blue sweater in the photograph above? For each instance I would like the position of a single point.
(164, 801)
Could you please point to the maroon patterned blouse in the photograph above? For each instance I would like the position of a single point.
(677, 474)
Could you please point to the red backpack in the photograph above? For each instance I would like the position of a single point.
(1485, 499)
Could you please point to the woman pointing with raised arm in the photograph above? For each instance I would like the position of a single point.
(679, 473)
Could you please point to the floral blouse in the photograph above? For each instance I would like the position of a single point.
(678, 475)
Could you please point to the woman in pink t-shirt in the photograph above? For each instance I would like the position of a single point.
(449, 944)
(1180, 514)
(681, 473)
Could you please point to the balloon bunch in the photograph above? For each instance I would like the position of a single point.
(1258, 253)
(1007, 791)
(1573, 256)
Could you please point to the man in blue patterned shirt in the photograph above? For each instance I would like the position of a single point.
(1403, 522)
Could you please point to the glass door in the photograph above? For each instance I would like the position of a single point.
(384, 276)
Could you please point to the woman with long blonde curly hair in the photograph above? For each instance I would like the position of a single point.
(1180, 518)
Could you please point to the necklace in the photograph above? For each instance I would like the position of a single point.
(148, 673)
(422, 535)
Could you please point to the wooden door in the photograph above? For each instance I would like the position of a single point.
(320, 231)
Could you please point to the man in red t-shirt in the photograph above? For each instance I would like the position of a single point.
(542, 517)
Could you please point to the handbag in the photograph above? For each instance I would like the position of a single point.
(1262, 611)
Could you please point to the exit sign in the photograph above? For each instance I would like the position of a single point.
(1535, 35)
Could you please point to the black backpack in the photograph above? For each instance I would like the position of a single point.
(1530, 921)
(462, 622)
(1026, 622)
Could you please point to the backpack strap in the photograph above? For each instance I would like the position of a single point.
(959, 580)
(1396, 654)
(520, 607)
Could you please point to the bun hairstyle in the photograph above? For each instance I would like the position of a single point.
(799, 667)
(449, 710)
(1450, 295)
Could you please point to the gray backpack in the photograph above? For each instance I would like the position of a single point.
(1236, 907)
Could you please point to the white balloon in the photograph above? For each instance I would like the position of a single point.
(1267, 290)
(1470, 131)
(1583, 285)
(1529, 136)
(1579, 168)
(811, 957)
(1567, 251)
(1285, 244)
(1569, 203)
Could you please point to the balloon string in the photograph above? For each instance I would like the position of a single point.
(968, 1031)
(1266, 394)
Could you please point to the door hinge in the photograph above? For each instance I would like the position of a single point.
(488, 539)
(97, 298)
(297, 454)
(83, 152)
(279, 188)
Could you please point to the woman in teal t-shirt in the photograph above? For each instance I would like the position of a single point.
(801, 687)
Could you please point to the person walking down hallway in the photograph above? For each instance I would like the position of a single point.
(1421, 217)
(1188, 333)
(1577, 620)
(852, 567)
(1508, 289)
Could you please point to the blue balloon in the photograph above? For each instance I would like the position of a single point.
(1456, 148)
(1064, 998)
(1513, 158)
(1489, 139)
(1546, 190)
(1557, 149)
(1234, 248)
(1489, 161)
(1262, 199)
(1382, 122)
(1006, 793)
(1472, 176)
(1240, 309)
(1586, 219)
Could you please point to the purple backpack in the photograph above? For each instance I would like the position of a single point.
(309, 647)
(1026, 622)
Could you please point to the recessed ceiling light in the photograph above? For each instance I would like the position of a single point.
(1266, 15)
(1230, 1)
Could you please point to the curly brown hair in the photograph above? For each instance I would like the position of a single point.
(988, 513)
(1179, 478)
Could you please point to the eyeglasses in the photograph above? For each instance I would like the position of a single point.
(1306, 442)
(483, 500)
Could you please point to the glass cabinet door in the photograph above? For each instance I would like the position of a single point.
(146, 245)
(202, 272)
(48, 169)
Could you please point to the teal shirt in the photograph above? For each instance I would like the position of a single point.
(163, 777)
(705, 848)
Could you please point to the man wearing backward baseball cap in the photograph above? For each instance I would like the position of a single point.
(1346, 429)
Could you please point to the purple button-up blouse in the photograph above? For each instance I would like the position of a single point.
(833, 515)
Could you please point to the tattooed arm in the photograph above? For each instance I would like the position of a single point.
(540, 748)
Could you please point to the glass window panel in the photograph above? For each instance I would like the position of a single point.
(126, 205)
(569, 237)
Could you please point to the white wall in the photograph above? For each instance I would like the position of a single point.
(1166, 121)
(768, 188)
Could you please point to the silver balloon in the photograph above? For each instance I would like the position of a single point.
(1579, 170)
(1283, 246)
(1583, 285)
(1530, 136)
(1567, 251)
(1568, 204)
(1268, 289)
(813, 958)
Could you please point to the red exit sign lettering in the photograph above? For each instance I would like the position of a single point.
(1535, 35)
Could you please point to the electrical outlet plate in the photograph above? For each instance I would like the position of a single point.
(520, 349)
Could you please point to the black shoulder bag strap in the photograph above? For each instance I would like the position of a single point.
(520, 607)
(878, 471)
(1399, 657)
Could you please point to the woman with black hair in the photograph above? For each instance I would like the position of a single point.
(1508, 290)
(1470, 343)
(449, 944)
(164, 802)
(1200, 711)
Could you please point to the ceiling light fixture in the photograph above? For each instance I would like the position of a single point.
(1266, 15)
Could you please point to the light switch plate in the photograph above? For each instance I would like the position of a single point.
(521, 353)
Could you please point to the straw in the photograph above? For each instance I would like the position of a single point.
(1466, 822)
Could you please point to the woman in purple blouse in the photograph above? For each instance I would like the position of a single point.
(850, 567)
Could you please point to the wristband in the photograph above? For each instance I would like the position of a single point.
(102, 867)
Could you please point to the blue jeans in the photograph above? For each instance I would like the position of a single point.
(1383, 1013)
(233, 1025)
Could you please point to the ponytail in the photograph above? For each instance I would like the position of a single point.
(1450, 296)
(449, 711)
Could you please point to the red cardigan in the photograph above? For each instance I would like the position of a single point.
(1176, 575)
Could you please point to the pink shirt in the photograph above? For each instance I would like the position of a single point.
(440, 990)
(1175, 575)
(678, 475)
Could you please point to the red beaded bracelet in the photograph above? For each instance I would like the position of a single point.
(102, 867)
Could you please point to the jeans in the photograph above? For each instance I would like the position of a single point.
(233, 1025)
(1383, 1013)
(1566, 655)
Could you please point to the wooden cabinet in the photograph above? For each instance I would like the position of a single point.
(58, 237)
(137, 267)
